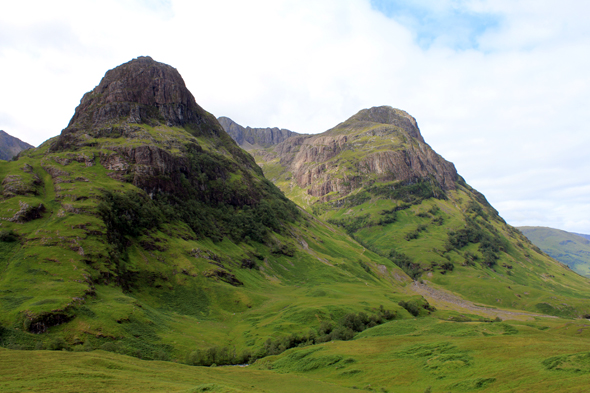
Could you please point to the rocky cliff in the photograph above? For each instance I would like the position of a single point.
(11, 146)
(255, 138)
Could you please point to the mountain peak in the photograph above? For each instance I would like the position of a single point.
(139, 91)
(386, 115)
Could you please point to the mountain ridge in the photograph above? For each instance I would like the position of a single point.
(144, 230)
(313, 161)
(11, 146)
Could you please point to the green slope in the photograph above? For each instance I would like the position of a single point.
(566, 247)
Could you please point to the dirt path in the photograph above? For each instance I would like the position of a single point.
(438, 296)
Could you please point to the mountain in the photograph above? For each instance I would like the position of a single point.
(11, 146)
(144, 229)
(375, 176)
(254, 138)
(566, 247)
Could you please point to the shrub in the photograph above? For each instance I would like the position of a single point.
(57, 344)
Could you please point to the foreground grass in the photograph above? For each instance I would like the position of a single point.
(99, 371)
(411, 355)
(417, 355)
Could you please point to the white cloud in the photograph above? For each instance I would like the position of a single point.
(511, 114)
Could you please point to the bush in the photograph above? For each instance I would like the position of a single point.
(415, 308)
(405, 263)
(57, 344)
(8, 236)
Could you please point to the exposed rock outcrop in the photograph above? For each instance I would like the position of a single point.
(28, 212)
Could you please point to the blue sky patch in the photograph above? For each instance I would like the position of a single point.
(450, 22)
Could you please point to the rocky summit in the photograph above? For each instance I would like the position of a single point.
(140, 91)
(122, 116)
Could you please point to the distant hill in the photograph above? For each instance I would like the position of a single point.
(581, 234)
(11, 146)
(255, 138)
(573, 249)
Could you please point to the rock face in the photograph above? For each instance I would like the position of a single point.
(11, 146)
(380, 144)
(252, 138)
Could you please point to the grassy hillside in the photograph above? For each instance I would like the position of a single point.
(568, 248)
(169, 291)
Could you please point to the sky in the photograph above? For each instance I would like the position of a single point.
(500, 88)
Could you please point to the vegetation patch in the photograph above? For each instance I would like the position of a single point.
(303, 361)
(345, 329)
(562, 311)
(411, 191)
(473, 384)
(417, 307)
(439, 359)
(211, 387)
(578, 363)
(490, 243)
